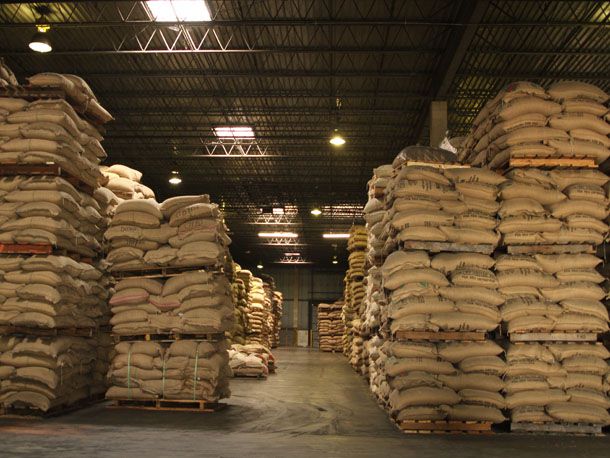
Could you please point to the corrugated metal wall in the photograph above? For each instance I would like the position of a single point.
(303, 287)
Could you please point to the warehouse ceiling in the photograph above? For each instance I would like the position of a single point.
(294, 71)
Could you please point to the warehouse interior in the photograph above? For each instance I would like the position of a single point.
(232, 235)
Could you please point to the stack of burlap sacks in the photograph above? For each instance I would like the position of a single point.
(525, 120)
(250, 360)
(180, 370)
(258, 313)
(353, 342)
(421, 380)
(44, 292)
(269, 287)
(191, 302)
(330, 326)
(183, 231)
(237, 334)
(277, 309)
(550, 292)
(7, 77)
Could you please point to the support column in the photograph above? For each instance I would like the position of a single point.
(438, 121)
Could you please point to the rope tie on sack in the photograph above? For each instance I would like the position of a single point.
(195, 375)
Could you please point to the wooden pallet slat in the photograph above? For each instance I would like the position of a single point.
(162, 272)
(50, 169)
(448, 426)
(573, 161)
(171, 337)
(27, 331)
(438, 247)
(550, 249)
(177, 405)
(553, 337)
(440, 335)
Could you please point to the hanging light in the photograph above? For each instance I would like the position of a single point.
(40, 40)
(175, 178)
(335, 260)
(316, 212)
(337, 139)
(259, 266)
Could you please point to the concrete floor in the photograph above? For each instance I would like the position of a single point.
(314, 406)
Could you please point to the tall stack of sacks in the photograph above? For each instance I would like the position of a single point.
(375, 212)
(52, 292)
(330, 326)
(277, 309)
(557, 382)
(556, 207)
(124, 182)
(354, 295)
(249, 360)
(552, 293)
(257, 313)
(46, 372)
(376, 369)
(237, 335)
(180, 370)
(184, 231)
(459, 381)
(525, 120)
(269, 287)
(191, 302)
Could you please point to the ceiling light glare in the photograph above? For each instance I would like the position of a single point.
(316, 212)
(259, 266)
(278, 210)
(179, 10)
(287, 235)
(175, 178)
(335, 261)
(336, 235)
(337, 139)
(292, 254)
(234, 132)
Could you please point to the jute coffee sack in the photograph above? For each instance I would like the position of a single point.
(124, 182)
(557, 383)
(249, 360)
(180, 370)
(45, 372)
(525, 120)
(52, 292)
(330, 326)
(191, 302)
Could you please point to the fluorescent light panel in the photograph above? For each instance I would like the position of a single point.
(292, 254)
(287, 235)
(179, 10)
(234, 132)
(336, 235)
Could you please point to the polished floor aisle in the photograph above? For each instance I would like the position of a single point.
(315, 406)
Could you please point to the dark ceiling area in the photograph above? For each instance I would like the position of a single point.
(294, 71)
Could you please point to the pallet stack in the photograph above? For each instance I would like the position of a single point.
(277, 310)
(269, 287)
(237, 335)
(553, 213)
(172, 304)
(258, 313)
(353, 340)
(54, 293)
(330, 326)
(251, 360)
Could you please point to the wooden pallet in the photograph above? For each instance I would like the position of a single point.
(160, 272)
(553, 337)
(445, 427)
(440, 335)
(171, 337)
(550, 249)
(438, 247)
(50, 169)
(250, 376)
(42, 249)
(556, 428)
(177, 405)
(552, 162)
(44, 332)
(27, 412)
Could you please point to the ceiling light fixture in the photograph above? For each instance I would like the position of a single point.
(335, 261)
(336, 235)
(292, 254)
(40, 40)
(288, 235)
(337, 139)
(179, 10)
(175, 178)
(316, 212)
(259, 266)
(234, 132)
